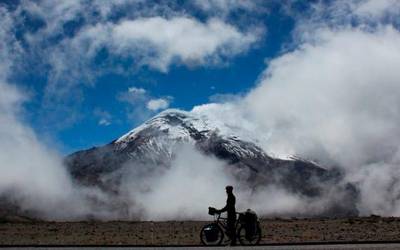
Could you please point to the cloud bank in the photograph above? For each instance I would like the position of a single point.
(32, 175)
(334, 99)
(337, 101)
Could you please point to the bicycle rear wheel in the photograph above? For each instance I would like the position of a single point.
(246, 238)
(211, 235)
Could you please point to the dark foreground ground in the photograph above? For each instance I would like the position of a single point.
(187, 232)
(375, 246)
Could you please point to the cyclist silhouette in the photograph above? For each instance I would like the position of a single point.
(230, 209)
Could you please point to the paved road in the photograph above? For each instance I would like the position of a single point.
(281, 247)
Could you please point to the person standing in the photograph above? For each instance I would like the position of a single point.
(231, 210)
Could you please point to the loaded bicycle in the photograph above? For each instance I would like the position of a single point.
(248, 230)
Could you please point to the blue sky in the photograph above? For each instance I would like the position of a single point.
(90, 111)
(93, 70)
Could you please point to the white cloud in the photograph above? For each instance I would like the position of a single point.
(138, 91)
(225, 7)
(365, 14)
(333, 85)
(225, 4)
(336, 100)
(160, 41)
(376, 9)
(104, 122)
(31, 174)
(104, 117)
(158, 104)
(205, 175)
(142, 105)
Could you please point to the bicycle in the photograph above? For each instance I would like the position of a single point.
(213, 234)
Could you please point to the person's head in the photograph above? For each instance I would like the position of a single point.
(229, 189)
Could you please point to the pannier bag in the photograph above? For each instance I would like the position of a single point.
(212, 211)
(211, 233)
(250, 223)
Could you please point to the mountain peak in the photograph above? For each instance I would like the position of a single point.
(154, 145)
(173, 123)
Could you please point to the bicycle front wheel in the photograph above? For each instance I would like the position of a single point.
(249, 236)
(211, 235)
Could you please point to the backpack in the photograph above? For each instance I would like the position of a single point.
(211, 232)
(250, 221)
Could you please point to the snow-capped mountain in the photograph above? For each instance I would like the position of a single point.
(155, 143)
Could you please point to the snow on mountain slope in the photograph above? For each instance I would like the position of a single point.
(178, 124)
(175, 126)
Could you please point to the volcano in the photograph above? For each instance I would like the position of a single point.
(154, 145)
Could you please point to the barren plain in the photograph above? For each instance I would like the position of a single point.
(28, 232)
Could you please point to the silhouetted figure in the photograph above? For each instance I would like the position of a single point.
(230, 208)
